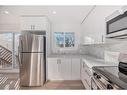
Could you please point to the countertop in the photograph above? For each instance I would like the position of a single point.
(93, 61)
(66, 55)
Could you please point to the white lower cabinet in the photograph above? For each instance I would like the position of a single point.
(53, 69)
(63, 69)
(86, 75)
(75, 69)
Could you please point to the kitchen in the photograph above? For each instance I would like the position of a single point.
(83, 46)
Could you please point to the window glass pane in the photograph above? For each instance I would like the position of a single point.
(6, 50)
(69, 39)
(6, 40)
(59, 39)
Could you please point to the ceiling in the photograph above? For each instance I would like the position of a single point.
(62, 14)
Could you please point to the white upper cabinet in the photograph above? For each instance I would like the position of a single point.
(34, 23)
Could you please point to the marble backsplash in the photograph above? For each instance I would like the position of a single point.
(113, 45)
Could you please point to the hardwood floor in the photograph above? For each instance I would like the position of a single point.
(11, 82)
(59, 85)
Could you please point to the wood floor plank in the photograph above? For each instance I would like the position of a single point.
(59, 85)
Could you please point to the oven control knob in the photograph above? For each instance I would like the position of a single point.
(98, 77)
(94, 74)
(109, 86)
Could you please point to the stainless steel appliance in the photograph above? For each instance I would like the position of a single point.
(32, 58)
(117, 26)
(108, 77)
(123, 63)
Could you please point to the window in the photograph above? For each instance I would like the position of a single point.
(10, 41)
(6, 40)
(59, 39)
(69, 39)
(8, 36)
(64, 39)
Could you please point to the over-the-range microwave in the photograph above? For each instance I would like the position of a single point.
(117, 26)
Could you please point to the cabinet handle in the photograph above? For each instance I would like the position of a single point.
(33, 27)
(58, 61)
(102, 38)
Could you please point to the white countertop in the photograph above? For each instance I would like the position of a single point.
(92, 61)
(66, 55)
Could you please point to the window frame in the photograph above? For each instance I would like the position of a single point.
(64, 47)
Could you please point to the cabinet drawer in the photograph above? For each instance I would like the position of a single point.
(88, 79)
(87, 70)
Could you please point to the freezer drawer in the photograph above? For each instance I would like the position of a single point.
(32, 69)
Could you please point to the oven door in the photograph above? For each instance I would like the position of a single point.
(95, 85)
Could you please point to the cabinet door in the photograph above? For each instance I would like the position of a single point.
(85, 75)
(26, 23)
(75, 69)
(41, 26)
(87, 79)
(34, 23)
(82, 71)
(65, 69)
(53, 71)
(40, 23)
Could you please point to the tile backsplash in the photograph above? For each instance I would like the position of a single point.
(114, 45)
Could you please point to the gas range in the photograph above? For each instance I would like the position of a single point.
(108, 77)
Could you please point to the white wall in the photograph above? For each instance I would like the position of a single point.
(72, 27)
(95, 23)
(95, 26)
(9, 23)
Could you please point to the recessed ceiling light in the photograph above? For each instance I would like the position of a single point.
(6, 12)
(54, 12)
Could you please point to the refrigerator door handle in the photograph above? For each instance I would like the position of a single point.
(20, 55)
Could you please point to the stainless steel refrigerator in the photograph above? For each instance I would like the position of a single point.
(32, 59)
